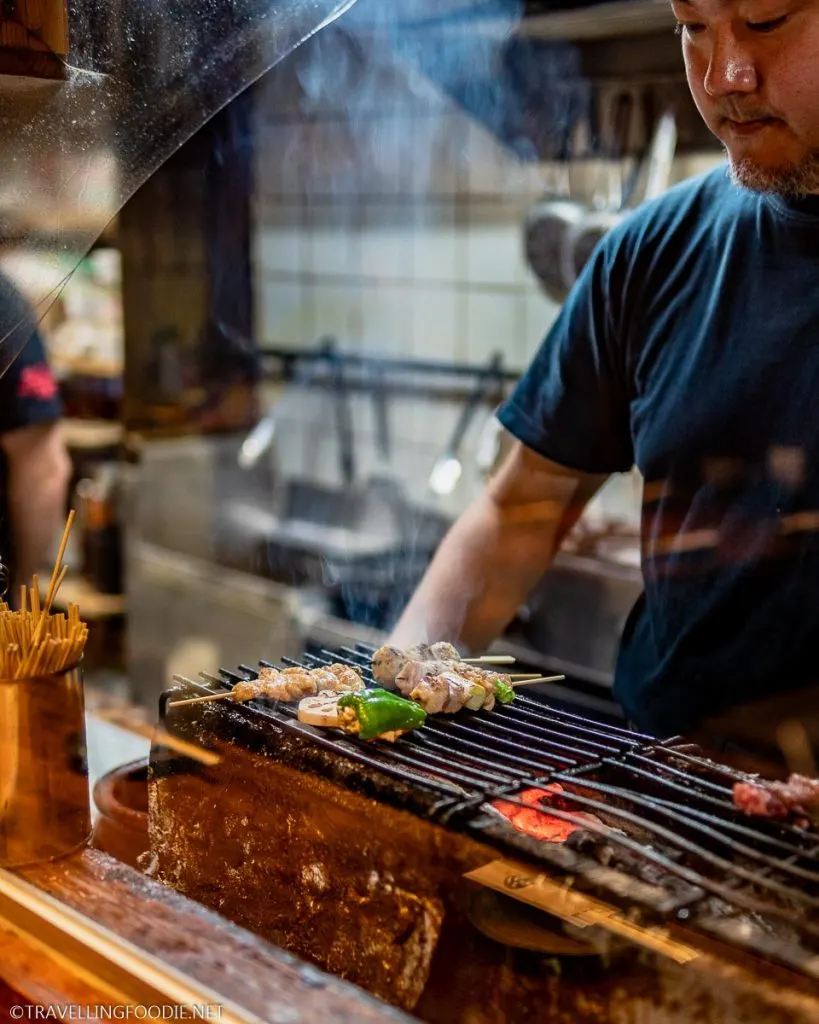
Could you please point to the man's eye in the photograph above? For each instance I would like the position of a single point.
(690, 28)
(767, 26)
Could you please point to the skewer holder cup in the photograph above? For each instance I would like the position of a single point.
(44, 798)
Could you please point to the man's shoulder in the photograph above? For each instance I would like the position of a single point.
(684, 212)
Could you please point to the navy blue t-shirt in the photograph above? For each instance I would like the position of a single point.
(690, 347)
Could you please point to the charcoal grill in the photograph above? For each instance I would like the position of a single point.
(671, 849)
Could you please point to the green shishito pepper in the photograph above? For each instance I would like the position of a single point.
(379, 711)
(504, 694)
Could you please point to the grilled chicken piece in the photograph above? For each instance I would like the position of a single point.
(388, 661)
(442, 651)
(431, 692)
(414, 672)
(294, 683)
(434, 675)
(447, 691)
(420, 652)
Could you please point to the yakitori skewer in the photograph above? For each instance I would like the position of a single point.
(287, 684)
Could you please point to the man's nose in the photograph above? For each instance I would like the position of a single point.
(731, 69)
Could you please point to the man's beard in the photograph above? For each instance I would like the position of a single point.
(790, 180)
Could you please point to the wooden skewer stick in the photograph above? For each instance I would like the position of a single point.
(58, 565)
(538, 679)
(57, 577)
(525, 675)
(490, 659)
(199, 700)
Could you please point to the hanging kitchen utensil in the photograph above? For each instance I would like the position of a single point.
(661, 156)
(656, 175)
(341, 410)
(385, 488)
(448, 468)
(548, 220)
(382, 420)
(583, 237)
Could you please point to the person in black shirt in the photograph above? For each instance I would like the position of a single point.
(689, 347)
(34, 465)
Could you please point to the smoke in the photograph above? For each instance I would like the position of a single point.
(389, 75)
(374, 97)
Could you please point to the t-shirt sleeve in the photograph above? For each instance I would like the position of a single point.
(28, 391)
(572, 404)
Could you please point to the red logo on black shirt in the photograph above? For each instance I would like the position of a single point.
(37, 382)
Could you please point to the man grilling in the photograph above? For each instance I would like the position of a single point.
(689, 347)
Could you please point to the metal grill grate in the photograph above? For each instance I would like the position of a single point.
(477, 753)
(666, 815)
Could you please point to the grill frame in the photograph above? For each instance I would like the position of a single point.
(486, 763)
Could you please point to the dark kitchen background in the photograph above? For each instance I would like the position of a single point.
(281, 360)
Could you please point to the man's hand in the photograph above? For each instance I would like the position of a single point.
(39, 470)
(496, 552)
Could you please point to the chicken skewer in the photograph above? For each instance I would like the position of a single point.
(287, 684)
(450, 685)
(445, 684)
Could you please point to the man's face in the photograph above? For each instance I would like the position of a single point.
(753, 70)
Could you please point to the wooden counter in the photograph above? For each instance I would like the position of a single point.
(264, 982)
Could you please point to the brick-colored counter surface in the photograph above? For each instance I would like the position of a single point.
(264, 980)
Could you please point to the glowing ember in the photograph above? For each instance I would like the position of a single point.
(537, 823)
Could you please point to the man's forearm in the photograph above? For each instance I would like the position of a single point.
(38, 476)
(35, 526)
(483, 570)
(496, 552)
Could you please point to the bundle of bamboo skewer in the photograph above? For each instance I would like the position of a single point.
(33, 642)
